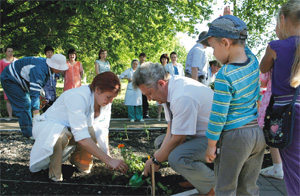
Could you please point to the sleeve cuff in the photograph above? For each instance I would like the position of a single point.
(212, 137)
(80, 135)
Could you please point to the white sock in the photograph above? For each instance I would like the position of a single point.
(277, 167)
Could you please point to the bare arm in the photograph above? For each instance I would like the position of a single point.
(35, 112)
(97, 68)
(263, 84)
(162, 154)
(195, 73)
(227, 11)
(168, 135)
(89, 145)
(210, 154)
(107, 145)
(129, 79)
(169, 144)
(267, 61)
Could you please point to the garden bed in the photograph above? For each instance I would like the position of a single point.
(16, 179)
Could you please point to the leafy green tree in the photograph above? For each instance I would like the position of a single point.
(125, 28)
(260, 18)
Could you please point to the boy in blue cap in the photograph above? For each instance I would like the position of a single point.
(232, 122)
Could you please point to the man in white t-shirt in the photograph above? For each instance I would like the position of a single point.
(196, 61)
(187, 105)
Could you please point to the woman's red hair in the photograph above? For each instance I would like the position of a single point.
(106, 81)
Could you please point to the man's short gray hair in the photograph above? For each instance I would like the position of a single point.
(148, 74)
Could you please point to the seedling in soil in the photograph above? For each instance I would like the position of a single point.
(146, 130)
(135, 163)
(125, 130)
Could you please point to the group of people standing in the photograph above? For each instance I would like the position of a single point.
(133, 96)
(204, 126)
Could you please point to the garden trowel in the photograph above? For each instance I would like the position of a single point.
(137, 180)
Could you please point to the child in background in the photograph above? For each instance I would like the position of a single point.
(274, 171)
(74, 74)
(133, 98)
(232, 121)
(283, 57)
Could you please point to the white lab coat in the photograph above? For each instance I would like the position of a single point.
(169, 67)
(74, 109)
(133, 97)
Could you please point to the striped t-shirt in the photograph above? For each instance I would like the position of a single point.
(235, 96)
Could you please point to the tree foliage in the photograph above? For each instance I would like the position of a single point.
(259, 15)
(124, 28)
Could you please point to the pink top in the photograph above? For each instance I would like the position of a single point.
(266, 77)
(3, 64)
(73, 76)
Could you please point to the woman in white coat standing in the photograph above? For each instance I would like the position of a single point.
(76, 127)
(133, 98)
(174, 68)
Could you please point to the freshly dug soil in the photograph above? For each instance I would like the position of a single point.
(16, 179)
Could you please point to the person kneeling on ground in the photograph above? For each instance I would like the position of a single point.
(76, 126)
(187, 112)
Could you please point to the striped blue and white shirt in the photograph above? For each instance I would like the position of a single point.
(32, 73)
(235, 96)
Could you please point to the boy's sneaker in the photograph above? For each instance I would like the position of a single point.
(269, 172)
(131, 120)
(142, 120)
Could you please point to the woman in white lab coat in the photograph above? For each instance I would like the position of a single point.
(174, 68)
(76, 127)
(133, 97)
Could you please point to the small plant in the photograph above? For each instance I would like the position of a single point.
(165, 188)
(125, 130)
(146, 130)
(135, 163)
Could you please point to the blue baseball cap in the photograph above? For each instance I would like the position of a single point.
(227, 26)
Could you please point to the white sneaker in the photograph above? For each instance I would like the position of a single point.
(131, 120)
(142, 120)
(269, 172)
